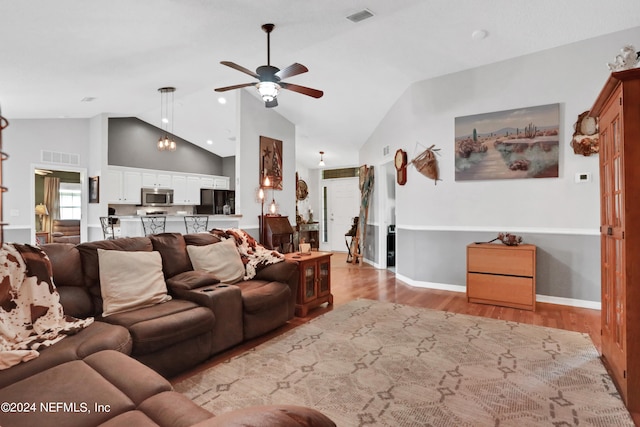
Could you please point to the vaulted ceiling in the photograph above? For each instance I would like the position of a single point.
(57, 55)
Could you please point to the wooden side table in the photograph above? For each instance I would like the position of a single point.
(314, 287)
(502, 275)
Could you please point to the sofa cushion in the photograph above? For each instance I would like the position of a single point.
(105, 378)
(90, 266)
(191, 280)
(94, 338)
(200, 239)
(68, 278)
(130, 280)
(261, 295)
(157, 327)
(222, 260)
(270, 415)
(173, 250)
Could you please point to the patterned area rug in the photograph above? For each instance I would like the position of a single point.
(374, 363)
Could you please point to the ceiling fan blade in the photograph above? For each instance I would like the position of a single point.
(226, 88)
(292, 70)
(240, 68)
(271, 104)
(315, 93)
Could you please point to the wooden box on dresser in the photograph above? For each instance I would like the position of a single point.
(618, 111)
(502, 275)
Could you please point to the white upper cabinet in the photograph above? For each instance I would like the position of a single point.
(156, 180)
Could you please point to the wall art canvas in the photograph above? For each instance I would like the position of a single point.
(510, 144)
(271, 162)
(94, 189)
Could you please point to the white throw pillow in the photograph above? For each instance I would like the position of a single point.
(130, 280)
(221, 259)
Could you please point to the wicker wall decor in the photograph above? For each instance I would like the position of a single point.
(427, 164)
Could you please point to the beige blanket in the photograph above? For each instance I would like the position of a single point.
(31, 316)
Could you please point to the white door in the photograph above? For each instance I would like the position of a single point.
(343, 203)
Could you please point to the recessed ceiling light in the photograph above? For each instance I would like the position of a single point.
(209, 141)
(222, 100)
(479, 34)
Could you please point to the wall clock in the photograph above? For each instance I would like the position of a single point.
(401, 166)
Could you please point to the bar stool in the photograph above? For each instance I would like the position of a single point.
(109, 231)
(196, 223)
(153, 224)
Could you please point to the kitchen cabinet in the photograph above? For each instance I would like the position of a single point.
(186, 189)
(206, 182)
(221, 182)
(123, 187)
(156, 180)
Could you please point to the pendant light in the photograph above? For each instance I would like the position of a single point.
(321, 164)
(165, 143)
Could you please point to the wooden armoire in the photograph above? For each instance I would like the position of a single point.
(618, 111)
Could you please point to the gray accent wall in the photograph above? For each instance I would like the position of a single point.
(568, 265)
(132, 143)
(561, 216)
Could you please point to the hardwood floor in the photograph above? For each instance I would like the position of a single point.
(350, 282)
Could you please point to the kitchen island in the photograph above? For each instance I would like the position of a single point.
(131, 225)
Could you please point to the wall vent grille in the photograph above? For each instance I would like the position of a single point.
(59, 158)
(360, 16)
(385, 150)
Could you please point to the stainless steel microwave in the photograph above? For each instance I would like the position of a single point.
(157, 197)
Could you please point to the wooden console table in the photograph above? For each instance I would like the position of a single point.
(502, 275)
(314, 287)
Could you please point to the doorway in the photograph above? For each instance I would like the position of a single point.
(341, 199)
(72, 200)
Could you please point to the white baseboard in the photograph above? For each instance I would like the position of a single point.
(595, 305)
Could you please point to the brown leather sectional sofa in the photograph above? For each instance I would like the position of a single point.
(96, 366)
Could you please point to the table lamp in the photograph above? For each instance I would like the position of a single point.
(41, 211)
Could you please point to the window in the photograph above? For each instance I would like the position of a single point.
(70, 201)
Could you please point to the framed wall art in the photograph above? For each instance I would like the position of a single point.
(271, 162)
(94, 189)
(510, 144)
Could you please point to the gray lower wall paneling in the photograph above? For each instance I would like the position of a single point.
(568, 265)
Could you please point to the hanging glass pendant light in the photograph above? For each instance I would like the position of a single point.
(166, 143)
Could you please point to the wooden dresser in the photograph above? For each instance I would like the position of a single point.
(502, 275)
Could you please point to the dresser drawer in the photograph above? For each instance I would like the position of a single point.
(501, 260)
(501, 290)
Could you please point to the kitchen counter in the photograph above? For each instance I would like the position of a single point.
(131, 225)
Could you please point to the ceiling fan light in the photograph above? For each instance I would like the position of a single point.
(268, 90)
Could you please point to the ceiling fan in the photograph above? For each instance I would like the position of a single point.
(270, 77)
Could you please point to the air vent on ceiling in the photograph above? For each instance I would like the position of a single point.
(385, 150)
(59, 158)
(360, 16)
